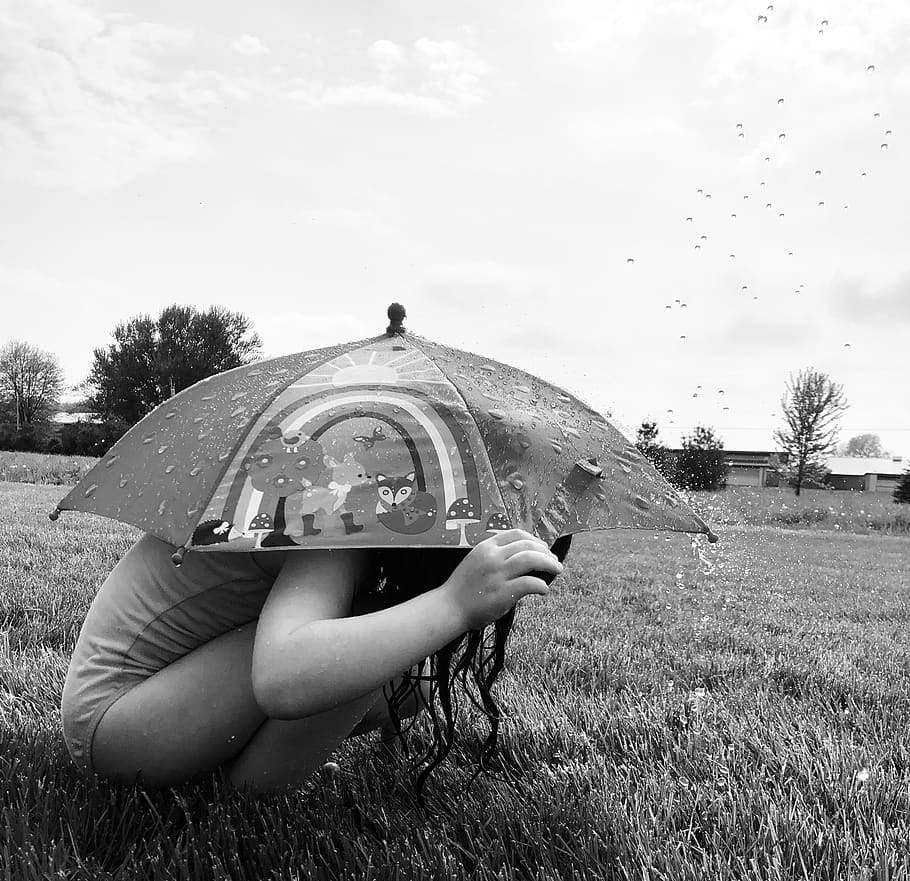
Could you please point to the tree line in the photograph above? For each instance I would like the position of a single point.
(152, 359)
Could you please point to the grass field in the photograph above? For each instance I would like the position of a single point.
(739, 712)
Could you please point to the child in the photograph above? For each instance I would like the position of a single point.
(260, 664)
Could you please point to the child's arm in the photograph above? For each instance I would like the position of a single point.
(308, 657)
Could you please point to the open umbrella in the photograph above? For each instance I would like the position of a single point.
(393, 440)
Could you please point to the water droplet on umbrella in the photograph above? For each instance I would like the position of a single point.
(169, 469)
(600, 495)
(170, 414)
(870, 68)
(238, 411)
(162, 508)
(198, 419)
(148, 438)
(688, 220)
(490, 368)
(571, 431)
(90, 490)
(203, 435)
(496, 414)
(192, 512)
(124, 482)
(162, 448)
(207, 398)
(195, 471)
(223, 455)
(523, 444)
(111, 461)
(515, 480)
(238, 395)
(884, 146)
(641, 503)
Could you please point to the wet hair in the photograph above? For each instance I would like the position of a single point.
(474, 659)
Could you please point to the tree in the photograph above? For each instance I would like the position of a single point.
(153, 359)
(31, 382)
(902, 490)
(867, 446)
(701, 463)
(811, 405)
(653, 450)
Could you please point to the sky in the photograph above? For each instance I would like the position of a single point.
(520, 176)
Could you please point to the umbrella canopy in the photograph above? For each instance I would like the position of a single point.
(393, 440)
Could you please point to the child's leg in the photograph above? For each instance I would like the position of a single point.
(199, 713)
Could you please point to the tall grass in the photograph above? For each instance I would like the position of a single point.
(734, 712)
(43, 468)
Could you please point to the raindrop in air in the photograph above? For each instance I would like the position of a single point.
(739, 125)
(745, 197)
(762, 184)
(818, 172)
(698, 247)
(733, 256)
(682, 336)
(745, 287)
(707, 195)
(767, 204)
(630, 259)
(770, 9)
(824, 22)
(782, 136)
(870, 68)
(846, 345)
(780, 100)
(888, 133)
(821, 204)
(682, 305)
(726, 408)
(704, 238)
(767, 158)
(762, 19)
(741, 135)
(733, 217)
(699, 192)
(863, 174)
(781, 214)
(688, 220)
(876, 115)
(884, 146)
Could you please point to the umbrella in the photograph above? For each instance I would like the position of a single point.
(390, 441)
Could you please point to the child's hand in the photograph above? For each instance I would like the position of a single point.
(497, 573)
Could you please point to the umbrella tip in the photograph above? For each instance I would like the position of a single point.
(54, 514)
(712, 538)
(178, 555)
(396, 313)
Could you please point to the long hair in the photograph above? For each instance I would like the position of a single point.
(474, 659)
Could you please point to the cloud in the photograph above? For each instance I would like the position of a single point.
(249, 45)
(78, 97)
(886, 306)
(431, 78)
(386, 55)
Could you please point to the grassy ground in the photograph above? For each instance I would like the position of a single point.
(43, 467)
(675, 712)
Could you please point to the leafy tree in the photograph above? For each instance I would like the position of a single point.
(653, 450)
(811, 406)
(31, 382)
(153, 359)
(701, 463)
(902, 490)
(868, 446)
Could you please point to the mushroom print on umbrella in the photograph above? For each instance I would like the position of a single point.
(393, 440)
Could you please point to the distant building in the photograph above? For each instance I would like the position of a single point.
(752, 467)
(865, 474)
